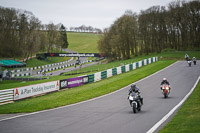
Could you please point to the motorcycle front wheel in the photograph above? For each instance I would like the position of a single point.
(165, 95)
(134, 108)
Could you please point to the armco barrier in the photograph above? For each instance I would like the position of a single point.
(26, 71)
(109, 73)
(127, 67)
(130, 67)
(114, 71)
(103, 74)
(37, 89)
(97, 76)
(91, 78)
(6, 95)
(121, 69)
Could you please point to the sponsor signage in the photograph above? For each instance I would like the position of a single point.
(73, 55)
(63, 84)
(32, 90)
(73, 82)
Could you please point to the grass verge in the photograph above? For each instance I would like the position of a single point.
(84, 92)
(35, 62)
(187, 119)
(89, 70)
(83, 42)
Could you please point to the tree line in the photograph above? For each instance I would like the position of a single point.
(84, 28)
(175, 26)
(23, 35)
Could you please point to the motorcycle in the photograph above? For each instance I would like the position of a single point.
(194, 61)
(165, 90)
(189, 63)
(135, 102)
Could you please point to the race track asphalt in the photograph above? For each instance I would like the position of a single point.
(112, 113)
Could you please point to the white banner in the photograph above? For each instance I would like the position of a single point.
(32, 90)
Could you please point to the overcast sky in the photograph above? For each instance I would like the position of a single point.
(73, 13)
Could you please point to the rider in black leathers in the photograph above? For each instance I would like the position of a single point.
(136, 90)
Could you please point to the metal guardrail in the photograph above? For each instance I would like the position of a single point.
(6, 95)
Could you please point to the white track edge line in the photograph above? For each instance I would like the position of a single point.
(86, 100)
(173, 110)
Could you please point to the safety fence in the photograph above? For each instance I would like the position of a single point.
(6, 95)
(46, 68)
(40, 67)
(28, 71)
(61, 67)
(118, 70)
(43, 88)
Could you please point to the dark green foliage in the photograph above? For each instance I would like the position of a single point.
(157, 28)
(22, 35)
(63, 36)
(19, 33)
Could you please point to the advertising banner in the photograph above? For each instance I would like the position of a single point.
(73, 82)
(32, 90)
(73, 55)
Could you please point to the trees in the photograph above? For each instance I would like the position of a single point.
(121, 37)
(157, 28)
(19, 33)
(22, 34)
(63, 37)
(84, 28)
(8, 38)
(51, 36)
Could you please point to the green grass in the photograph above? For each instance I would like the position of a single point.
(84, 92)
(179, 55)
(92, 69)
(83, 42)
(8, 82)
(6, 85)
(35, 62)
(100, 67)
(187, 119)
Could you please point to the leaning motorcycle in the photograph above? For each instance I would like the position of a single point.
(194, 61)
(135, 102)
(165, 90)
(189, 63)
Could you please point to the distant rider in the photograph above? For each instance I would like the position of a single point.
(186, 57)
(164, 81)
(194, 59)
(135, 89)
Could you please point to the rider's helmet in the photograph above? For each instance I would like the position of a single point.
(164, 79)
(133, 86)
